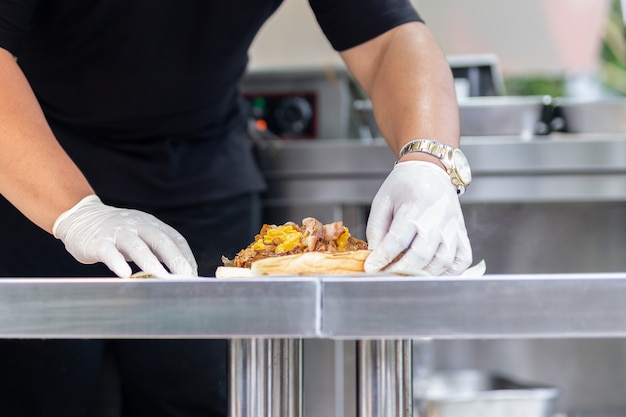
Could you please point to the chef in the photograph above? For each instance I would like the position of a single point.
(124, 148)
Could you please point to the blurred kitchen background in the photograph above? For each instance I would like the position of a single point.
(544, 125)
(544, 46)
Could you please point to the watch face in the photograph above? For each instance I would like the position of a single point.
(462, 167)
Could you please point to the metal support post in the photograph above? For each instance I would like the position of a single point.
(265, 378)
(385, 378)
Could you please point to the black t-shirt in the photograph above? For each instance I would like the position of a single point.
(143, 94)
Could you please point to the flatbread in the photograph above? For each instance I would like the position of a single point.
(308, 263)
(142, 275)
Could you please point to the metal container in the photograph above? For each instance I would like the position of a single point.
(522, 116)
(474, 393)
(574, 115)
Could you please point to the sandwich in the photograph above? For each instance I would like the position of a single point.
(311, 248)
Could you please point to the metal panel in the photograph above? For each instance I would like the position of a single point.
(379, 307)
(161, 308)
(507, 306)
(558, 168)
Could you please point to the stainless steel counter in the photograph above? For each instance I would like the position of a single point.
(164, 308)
(553, 168)
(267, 319)
(379, 307)
(494, 306)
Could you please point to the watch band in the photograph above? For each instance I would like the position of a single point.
(460, 174)
(429, 146)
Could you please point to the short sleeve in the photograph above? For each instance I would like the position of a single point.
(15, 20)
(348, 23)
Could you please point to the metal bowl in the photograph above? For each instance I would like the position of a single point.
(523, 116)
(574, 115)
(474, 393)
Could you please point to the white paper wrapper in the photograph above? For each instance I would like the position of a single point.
(224, 272)
(475, 271)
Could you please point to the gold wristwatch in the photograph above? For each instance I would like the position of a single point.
(453, 159)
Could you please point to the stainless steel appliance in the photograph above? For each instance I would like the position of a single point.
(307, 103)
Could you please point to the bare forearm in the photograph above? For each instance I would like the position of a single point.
(410, 83)
(36, 175)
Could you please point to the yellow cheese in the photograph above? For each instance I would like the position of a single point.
(342, 240)
(285, 238)
(258, 245)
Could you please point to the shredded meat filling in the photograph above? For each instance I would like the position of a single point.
(314, 237)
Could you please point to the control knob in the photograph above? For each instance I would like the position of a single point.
(293, 115)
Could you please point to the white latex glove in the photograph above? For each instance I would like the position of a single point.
(94, 232)
(417, 211)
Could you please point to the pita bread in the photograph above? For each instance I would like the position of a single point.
(308, 263)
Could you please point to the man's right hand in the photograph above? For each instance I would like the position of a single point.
(94, 232)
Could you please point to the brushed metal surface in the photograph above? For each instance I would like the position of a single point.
(554, 168)
(592, 115)
(504, 115)
(491, 308)
(506, 306)
(524, 116)
(158, 308)
(378, 307)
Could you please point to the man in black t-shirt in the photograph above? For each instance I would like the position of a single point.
(123, 137)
